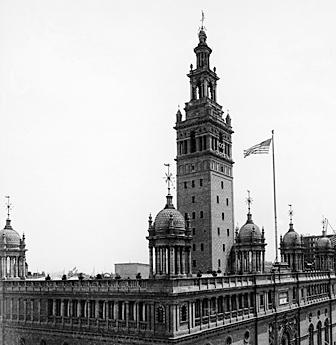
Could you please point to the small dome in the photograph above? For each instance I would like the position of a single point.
(291, 237)
(249, 231)
(9, 236)
(169, 217)
(323, 243)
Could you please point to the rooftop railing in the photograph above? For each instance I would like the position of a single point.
(176, 285)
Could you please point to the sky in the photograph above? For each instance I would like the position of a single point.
(89, 90)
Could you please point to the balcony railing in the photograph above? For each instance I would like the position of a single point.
(144, 286)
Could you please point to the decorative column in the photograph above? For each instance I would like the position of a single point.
(88, 304)
(79, 308)
(189, 261)
(263, 261)
(150, 262)
(178, 260)
(156, 260)
(164, 260)
(152, 315)
(183, 261)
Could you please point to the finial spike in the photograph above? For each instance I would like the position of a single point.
(8, 206)
(290, 214)
(202, 20)
(249, 201)
(324, 225)
(168, 177)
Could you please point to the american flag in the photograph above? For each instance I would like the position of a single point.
(263, 147)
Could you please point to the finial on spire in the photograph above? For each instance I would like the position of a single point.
(249, 201)
(202, 20)
(168, 177)
(324, 225)
(9, 206)
(201, 32)
(290, 212)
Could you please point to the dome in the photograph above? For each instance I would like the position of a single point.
(249, 231)
(169, 217)
(291, 237)
(9, 235)
(323, 243)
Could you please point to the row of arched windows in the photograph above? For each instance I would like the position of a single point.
(322, 334)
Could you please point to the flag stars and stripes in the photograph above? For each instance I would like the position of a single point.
(263, 147)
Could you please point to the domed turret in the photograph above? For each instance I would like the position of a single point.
(291, 237)
(12, 251)
(249, 232)
(249, 249)
(169, 219)
(323, 243)
(324, 251)
(9, 237)
(169, 241)
(291, 246)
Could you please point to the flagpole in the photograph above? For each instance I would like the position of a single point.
(274, 195)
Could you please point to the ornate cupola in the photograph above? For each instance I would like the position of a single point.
(169, 241)
(249, 248)
(291, 246)
(324, 251)
(12, 251)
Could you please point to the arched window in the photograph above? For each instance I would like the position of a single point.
(228, 341)
(205, 307)
(311, 334)
(22, 341)
(192, 142)
(220, 304)
(319, 333)
(326, 332)
(184, 313)
(197, 308)
(160, 314)
(213, 306)
(246, 337)
(43, 342)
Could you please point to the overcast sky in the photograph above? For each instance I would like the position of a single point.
(88, 95)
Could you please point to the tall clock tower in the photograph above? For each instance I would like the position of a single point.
(204, 167)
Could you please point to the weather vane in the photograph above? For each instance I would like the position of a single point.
(202, 20)
(8, 205)
(249, 201)
(324, 223)
(290, 213)
(168, 177)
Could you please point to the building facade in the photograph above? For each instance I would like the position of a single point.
(207, 283)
